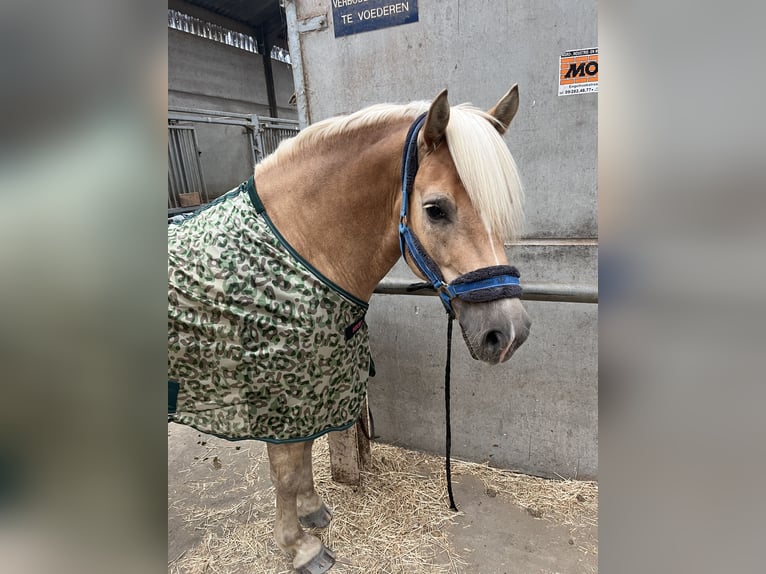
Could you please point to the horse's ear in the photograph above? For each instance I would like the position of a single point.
(436, 121)
(504, 110)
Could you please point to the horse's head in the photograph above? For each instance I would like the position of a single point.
(465, 200)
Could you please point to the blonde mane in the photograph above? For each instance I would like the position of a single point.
(482, 160)
(331, 128)
(487, 169)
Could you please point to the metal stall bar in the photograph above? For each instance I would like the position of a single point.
(273, 131)
(199, 173)
(177, 180)
(173, 178)
(256, 140)
(185, 173)
(187, 164)
(560, 292)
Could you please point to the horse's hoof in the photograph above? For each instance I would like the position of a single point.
(320, 563)
(317, 519)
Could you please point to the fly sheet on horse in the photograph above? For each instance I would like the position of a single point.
(260, 344)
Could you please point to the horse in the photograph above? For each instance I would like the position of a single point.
(269, 284)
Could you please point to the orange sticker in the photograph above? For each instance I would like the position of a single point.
(578, 72)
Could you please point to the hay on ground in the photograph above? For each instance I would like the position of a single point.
(397, 521)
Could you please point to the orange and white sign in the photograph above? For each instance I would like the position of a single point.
(578, 72)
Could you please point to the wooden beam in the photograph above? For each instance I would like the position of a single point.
(350, 451)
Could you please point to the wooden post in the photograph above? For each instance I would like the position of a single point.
(350, 451)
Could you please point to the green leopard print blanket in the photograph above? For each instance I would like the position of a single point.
(260, 344)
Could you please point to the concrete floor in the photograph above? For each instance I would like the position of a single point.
(492, 535)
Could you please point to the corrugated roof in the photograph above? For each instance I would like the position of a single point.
(254, 13)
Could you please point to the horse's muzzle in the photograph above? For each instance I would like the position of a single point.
(493, 330)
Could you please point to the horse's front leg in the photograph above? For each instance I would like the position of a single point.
(312, 512)
(310, 556)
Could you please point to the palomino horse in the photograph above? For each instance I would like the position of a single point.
(268, 286)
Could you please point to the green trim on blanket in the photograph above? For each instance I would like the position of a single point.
(261, 210)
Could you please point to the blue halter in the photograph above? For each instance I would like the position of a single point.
(485, 284)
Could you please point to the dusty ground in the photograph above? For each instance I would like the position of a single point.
(221, 506)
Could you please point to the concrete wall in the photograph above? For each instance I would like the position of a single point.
(213, 76)
(538, 413)
(210, 75)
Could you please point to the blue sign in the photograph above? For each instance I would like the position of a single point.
(354, 16)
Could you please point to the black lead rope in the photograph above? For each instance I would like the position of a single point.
(446, 404)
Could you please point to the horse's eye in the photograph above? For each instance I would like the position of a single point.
(435, 213)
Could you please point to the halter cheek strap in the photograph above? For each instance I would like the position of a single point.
(485, 284)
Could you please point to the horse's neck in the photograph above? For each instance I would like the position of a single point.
(338, 206)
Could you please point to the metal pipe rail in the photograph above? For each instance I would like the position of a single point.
(559, 292)
(228, 119)
(203, 112)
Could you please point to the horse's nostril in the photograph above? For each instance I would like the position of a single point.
(493, 338)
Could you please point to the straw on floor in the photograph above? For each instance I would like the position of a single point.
(397, 521)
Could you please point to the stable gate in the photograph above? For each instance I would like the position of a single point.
(187, 186)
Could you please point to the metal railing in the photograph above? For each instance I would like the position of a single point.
(270, 132)
(266, 132)
(185, 175)
(186, 180)
(559, 292)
